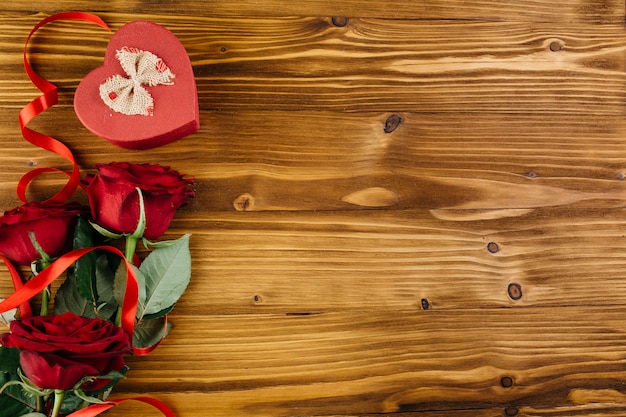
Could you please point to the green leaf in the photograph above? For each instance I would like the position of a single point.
(160, 314)
(167, 273)
(72, 403)
(85, 268)
(119, 286)
(68, 298)
(150, 332)
(106, 306)
(9, 360)
(14, 401)
(115, 377)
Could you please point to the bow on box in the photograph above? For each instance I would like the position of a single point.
(127, 95)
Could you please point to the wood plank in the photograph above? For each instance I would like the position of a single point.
(369, 65)
(317, 161)
(527, 10)
(385, 362)
(309, 263)
(413, 260)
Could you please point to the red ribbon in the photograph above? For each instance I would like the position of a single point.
(42, 103)
(39, 282)
(94, 410)
(25, 310)
(24, 292)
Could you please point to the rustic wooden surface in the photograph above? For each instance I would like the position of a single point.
(403, 208)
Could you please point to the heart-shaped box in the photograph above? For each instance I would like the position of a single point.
(175, 112)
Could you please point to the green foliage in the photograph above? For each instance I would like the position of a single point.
(14, 401)
(70, 298)
(87, 291)
(167, 271)
(96, 286)
(9, 359)
(84, 270)
(150, 332)
(119, 285)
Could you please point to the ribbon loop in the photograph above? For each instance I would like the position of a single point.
(42, 103)
(128, 95)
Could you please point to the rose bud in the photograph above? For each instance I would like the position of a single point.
(114, 199)
(51, 224)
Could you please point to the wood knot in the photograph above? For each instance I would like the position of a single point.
(515, 291)
(506, 382)
(392, 123)
(511, 411)
(556, 46)
(425, 304)
(244, 202)
(340, 21)
(493, 247)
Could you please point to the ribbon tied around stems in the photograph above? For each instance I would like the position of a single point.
(127, 95)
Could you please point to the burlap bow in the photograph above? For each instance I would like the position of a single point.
(128, 95)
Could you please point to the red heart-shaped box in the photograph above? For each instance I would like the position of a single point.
(175, 112)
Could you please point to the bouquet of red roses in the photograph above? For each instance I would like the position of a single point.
(65, 360)
(54, 364)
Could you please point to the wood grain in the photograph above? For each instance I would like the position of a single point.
(370, 65)
(600, 11)
(366, 362)
(403, 208)
(318, 161)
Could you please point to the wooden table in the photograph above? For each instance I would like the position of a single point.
(403, 207)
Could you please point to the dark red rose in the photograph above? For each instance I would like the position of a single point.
(52, 223)
(58, 351)
(114, 199)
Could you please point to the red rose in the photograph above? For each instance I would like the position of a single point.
(114, 199)
(52, 223)
(58, 351)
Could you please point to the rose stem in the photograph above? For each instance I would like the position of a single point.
(129, 253)
(45, 301)
(59, 396)
(39, 266)
(45, 294)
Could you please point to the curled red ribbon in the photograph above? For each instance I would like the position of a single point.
(42, 103)
(24, 292)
